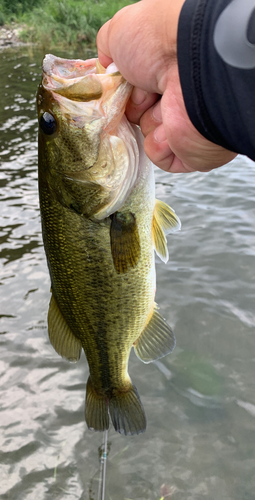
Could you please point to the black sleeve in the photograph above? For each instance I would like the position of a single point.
(216, 58)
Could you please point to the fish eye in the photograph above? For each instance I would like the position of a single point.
(48, 123)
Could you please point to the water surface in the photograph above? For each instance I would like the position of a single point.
(199, 401)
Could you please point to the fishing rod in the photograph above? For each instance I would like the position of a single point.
(102, 472)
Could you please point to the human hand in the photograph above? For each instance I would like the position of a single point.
(141, 39)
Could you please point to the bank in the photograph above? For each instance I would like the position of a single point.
(49, 24)
(9, 36)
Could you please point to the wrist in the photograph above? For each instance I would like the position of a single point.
(168, 70)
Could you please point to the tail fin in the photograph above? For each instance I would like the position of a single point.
(125, 409)
(127, 412)
(96, 409)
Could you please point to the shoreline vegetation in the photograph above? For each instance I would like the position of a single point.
(55, 23)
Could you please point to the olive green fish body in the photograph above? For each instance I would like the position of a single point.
(100, 226)
(107, 310)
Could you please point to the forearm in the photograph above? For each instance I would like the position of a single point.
(216, 61)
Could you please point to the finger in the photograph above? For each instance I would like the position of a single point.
(104, 54)
(103, 59)
(159, 152)
(139, 102)
(156, 144)
(161, 155)
(151, 119)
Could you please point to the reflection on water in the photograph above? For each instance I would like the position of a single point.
(199, 401)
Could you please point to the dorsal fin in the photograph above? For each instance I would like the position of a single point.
(125, 241)
(156, 340)
(165, 221)
(60, 335)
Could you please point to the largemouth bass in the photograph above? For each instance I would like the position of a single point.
(100, 226)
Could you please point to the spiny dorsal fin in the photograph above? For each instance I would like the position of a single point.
(125, 241)
(60, 335)
(165, 221)
(156, 340)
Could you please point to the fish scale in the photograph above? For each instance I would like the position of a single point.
(100, 226)
(90, 267)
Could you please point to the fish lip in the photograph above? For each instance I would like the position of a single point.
(92, 66)
(51, 66)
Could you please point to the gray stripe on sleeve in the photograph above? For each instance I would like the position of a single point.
(230, 34)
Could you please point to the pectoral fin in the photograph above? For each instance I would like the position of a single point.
(60, 335)
(165, 221)
(125, 242)
(156, 340)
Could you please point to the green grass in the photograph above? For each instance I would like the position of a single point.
(62, 23)
(13, 8)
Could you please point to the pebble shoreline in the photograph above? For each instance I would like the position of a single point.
(9, 36)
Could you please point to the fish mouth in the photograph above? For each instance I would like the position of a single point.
(79, 80)
(84, 91)
(75, 68)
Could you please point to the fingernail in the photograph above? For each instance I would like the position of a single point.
(138, 96)
(156, 112)
(159, 133)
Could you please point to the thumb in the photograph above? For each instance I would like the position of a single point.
(104, 54)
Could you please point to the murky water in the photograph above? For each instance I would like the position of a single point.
(199, 401)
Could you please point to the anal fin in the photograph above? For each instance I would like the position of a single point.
(60, 335)
(157, 339)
